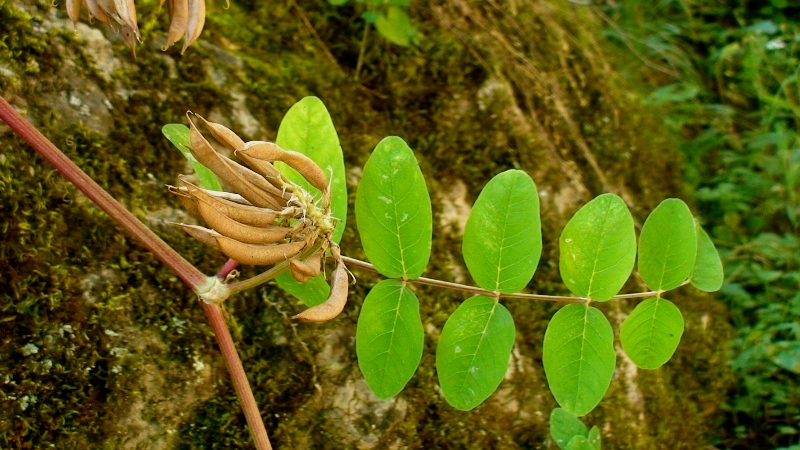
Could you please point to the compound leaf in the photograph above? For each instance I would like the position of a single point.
(579, 357)
(179, 136)
(503, 235)
(651, 333)
(393, 211)
(389, 337)
(708, 274)
(564, 426)
(473, 352)
(598, 248)
(667, 246)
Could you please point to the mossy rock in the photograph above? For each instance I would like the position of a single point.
(123, 357)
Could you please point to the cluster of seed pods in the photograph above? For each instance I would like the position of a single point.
(186, 18)
(267, 218)
(123, 12)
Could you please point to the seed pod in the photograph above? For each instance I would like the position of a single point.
(258, 255)
(303, 271)
(197, 19)
(297, 161)
(74, 10)
(178, 18)
(334, 305)
(278, 193)
(238, 177)
(223, 134)
(263, 168)
(126, 16)
(202, 234)
(247, 214)
(187, 201)
(236, 230)
(97, 12)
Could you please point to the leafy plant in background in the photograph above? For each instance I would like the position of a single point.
(731, 90)
(389, 18)
(502, 245)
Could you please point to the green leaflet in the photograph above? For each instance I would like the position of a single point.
(307, 128)
(311, 293)
(503, 235)
(179, 136)
(396, 27)
(579, 357)
(389, 337)
(651, 333)
(473, 352)
(580, 443)
(708, 274)
(598, 248)
(393, 211)
(667, 246)
(594, 438)
(564, 426)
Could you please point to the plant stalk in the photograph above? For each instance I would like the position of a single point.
(190, 275)
(479, 291)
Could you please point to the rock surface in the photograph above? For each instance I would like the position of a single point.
(124, 358)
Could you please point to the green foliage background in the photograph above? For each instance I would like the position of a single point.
(725, 74)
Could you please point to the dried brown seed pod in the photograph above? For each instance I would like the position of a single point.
(247, 214)
(202, 234)
(302, 271)
(74, 10)
(259, 255)
(248, 234)
(334, 305)
(243, 180)
(178, 19)
(197, 19)
(187, 201)
(223, 134)
(301, 163)
(97, 12)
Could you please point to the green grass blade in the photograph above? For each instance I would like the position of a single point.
(179, 136)
(598, 248)
(564, 426)
(579, 357)
(389, 337)
(473, 352)
(503, 235)
(651, 333)
(667, 246)
(393, 211)
(708, 274)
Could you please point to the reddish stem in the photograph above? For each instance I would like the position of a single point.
(227, 268)
(190, 275)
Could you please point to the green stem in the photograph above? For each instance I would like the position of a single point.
(479, 291)
(190, 275)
